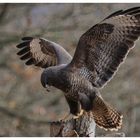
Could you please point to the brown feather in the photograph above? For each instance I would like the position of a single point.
(23, 51)
(105, 116)
(41, 52)
(104, 46)
(25, 56)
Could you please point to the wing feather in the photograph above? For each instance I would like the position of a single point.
(42, 53)
(104, 46)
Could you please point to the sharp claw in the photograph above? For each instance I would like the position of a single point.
(47, 88)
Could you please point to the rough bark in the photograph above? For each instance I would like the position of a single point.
(81, 127)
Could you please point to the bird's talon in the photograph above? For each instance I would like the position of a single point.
(79, 114)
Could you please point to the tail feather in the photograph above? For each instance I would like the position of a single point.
(105, 116)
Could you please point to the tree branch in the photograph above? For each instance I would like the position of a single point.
(81, 127)
(3, 11)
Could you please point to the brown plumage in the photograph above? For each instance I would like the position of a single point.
(98, 55)
(42, 53)
(105, 116)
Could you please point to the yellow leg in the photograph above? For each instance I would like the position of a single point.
(79, 114)
(70, 116)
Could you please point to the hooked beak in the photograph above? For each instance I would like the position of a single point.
(47, 88)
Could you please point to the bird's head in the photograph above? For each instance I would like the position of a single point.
(47, 78)
(51, 77)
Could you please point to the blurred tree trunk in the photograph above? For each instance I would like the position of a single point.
(3, 11)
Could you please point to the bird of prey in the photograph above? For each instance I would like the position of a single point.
(99, 53)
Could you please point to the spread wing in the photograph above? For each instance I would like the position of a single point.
(103, 47)
(42, 53)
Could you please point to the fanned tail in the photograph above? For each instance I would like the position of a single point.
(105, 116)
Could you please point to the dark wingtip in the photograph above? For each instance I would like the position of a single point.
(27, 38)
(128, 11)
(30, 61)
(26, 56)
(23, 51)
(114, 14)
(23, 44)
(121, 12)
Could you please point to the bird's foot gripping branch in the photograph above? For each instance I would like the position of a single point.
(84, 126)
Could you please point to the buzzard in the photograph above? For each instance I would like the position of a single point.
(99, 53)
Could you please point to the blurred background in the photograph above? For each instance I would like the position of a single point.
(25, 106)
